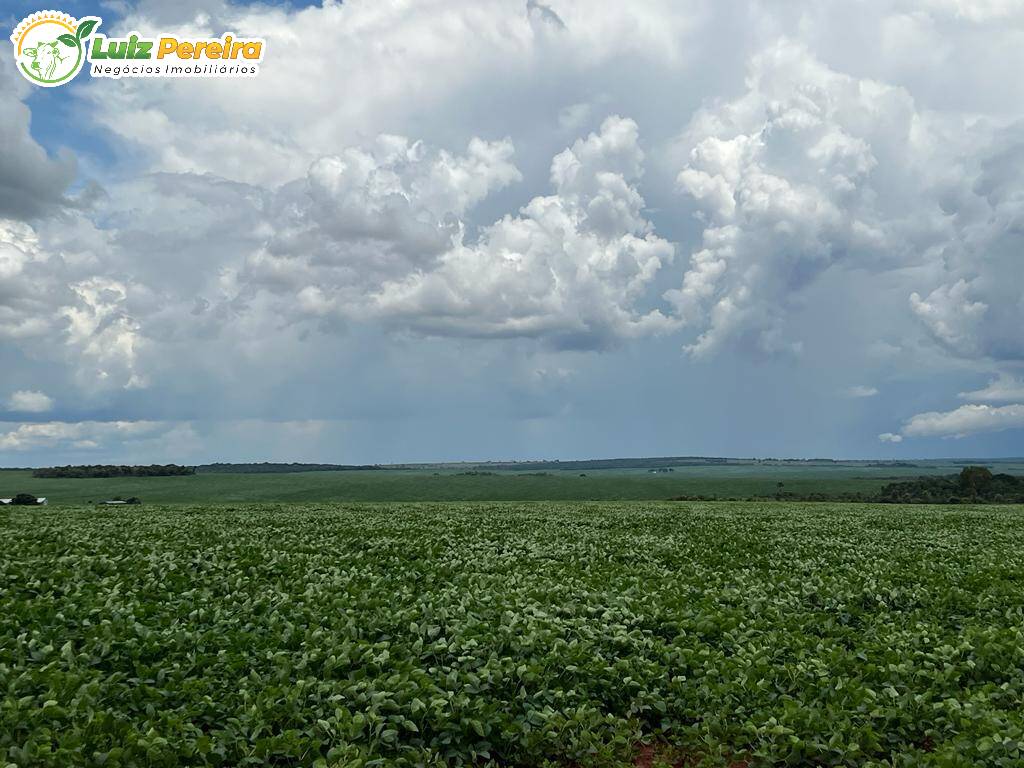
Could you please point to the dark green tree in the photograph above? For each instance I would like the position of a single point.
(975, 480)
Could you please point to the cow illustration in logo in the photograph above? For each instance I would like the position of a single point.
(46, 57)
(49, 46)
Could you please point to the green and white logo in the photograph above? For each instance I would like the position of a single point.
(50, 46)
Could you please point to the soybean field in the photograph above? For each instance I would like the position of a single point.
(512, 634)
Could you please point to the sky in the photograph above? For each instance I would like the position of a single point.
(512, 229)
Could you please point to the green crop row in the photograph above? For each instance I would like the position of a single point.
(512, 635)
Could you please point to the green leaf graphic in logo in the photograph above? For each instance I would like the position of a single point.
(69, 40)
(85, 28)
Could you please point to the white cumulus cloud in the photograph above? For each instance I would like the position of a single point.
(570, 267)
(1000, 390)
(810, 169)
(30, 401)
(965, 420)
(976, 309)
(84, 434)
(407, 67)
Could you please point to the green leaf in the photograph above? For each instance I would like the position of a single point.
(69, 40)
(85, 28)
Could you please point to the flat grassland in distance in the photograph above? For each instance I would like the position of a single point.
(754, 634)
(446, 484)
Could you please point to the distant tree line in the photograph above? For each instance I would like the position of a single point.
(972, 486)
(114, 470)
(269, 467)
(627, 463)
